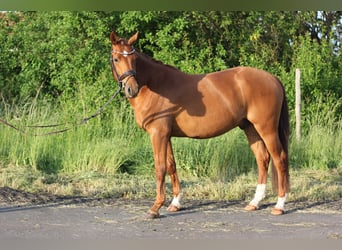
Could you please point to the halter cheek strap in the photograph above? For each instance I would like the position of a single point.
(126, 74)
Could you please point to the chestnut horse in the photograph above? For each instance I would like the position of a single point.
(168, 102)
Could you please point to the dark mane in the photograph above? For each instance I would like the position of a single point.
(156, 61)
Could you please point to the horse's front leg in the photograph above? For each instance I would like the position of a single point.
(159, 143)
(176, 189)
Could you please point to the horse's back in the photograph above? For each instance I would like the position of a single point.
(247, 79)
(244, 87)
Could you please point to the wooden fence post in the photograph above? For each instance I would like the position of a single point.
(298, 105)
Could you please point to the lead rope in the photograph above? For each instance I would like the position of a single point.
(83, 121)
(86, 119)
(100, 110)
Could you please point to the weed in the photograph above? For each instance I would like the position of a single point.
(112, 156)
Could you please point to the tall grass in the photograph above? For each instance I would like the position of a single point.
(105, 146)
(221, 158)
(112, 145)
(321, 143)
(116, 144)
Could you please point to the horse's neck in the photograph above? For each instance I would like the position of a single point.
(151, 72)
(152, 77)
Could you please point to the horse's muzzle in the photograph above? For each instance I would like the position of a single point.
(131, 88)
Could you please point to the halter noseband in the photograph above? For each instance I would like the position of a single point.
(126, 74)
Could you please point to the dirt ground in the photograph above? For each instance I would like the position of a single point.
(43, 216)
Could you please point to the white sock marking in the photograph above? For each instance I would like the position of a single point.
(281, 202)
(260, 194)
(176, 200)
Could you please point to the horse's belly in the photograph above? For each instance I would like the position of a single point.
(200, 127)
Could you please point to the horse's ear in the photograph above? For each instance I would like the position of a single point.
(113, 37)
(133, 38)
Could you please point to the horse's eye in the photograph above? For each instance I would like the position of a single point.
(116, 60)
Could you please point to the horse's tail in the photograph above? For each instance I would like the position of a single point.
(283, 133)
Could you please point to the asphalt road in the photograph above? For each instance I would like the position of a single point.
(86, 218)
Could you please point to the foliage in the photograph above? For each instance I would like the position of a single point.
(63, 56)
(57, 41)
(54, 67)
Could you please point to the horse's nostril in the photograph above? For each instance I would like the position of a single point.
(131, 91)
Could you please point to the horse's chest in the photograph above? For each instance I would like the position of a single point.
(139, 120)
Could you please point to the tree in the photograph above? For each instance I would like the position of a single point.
(63, 56)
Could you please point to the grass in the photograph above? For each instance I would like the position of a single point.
(306, 185)
(111, 157)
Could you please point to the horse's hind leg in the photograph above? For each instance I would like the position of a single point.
(176, 189)
(262, 158)
(280, 176)
(280, 171)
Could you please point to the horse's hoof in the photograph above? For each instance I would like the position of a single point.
(251, 207)
(173, 208)
(152, 215)
(277, 211)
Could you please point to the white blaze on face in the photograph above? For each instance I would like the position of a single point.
(125, 53)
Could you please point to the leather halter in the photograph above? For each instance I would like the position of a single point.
(126, 74)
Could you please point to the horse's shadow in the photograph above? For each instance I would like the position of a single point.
(190, 206)
(62, 201)
(297, 206)
(193, 206)
(196, 206)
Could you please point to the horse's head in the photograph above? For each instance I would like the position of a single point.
(122, 60)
